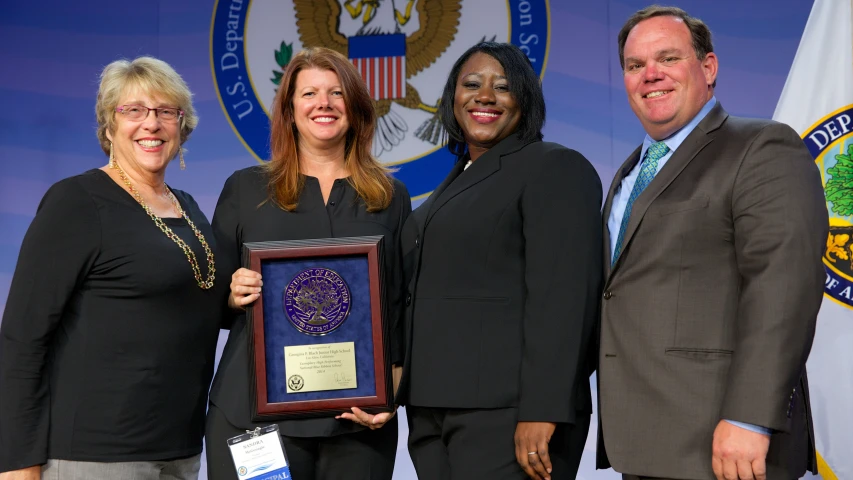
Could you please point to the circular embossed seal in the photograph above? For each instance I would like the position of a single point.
(295, 382)
(317, 301)
(403, 57)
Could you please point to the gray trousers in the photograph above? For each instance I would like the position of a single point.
(181, 469)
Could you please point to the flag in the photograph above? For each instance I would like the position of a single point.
(817, 102)
(381, 60)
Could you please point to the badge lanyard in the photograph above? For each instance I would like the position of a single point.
(259, 454)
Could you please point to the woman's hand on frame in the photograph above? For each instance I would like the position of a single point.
(245, 288)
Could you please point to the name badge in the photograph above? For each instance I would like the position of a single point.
(259, 455)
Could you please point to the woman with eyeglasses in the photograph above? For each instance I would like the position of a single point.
(108, 337)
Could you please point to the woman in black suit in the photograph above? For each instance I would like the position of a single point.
(503, 264)
(320, 183)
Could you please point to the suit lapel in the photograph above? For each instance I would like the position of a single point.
(624, 170)
(699, 138)
(482, 168)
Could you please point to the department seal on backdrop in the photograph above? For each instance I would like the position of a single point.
(830, 141)
(404, 50)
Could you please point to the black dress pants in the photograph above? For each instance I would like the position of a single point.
(364, 455)
(465, 444)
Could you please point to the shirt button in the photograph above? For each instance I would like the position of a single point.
(332, 203)
(608, 294)
(417, 242)
(408, 299)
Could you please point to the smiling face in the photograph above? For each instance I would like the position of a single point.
(665, 82)
(483, 105)
(319, 110)
(148, 144)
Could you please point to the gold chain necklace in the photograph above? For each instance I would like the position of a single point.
(211, 267)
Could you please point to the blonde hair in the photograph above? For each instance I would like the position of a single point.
(155, 78)
(368, 177)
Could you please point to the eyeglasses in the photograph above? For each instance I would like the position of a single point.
(140, 112)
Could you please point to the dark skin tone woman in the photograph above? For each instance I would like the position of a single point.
(503, 269)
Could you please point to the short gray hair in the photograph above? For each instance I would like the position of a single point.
(155, 78)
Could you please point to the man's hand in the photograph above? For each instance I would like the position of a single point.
(531, 448)
(739, 453)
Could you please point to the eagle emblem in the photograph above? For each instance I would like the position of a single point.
(385, 56)
(403, 49)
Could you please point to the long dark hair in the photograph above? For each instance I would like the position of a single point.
(524, 85)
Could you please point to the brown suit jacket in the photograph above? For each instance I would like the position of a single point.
(709, 312)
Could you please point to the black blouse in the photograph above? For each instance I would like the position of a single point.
(245, 214)
(107, 343)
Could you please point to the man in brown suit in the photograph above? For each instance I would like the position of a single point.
(715, 229)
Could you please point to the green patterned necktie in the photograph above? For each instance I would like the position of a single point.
(655, 152)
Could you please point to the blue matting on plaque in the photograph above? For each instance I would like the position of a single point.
(279, 332)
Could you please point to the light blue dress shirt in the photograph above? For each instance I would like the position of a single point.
(620, 199)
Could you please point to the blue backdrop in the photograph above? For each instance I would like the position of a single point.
(51, 52)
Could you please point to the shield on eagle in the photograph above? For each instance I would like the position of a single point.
(385, 57)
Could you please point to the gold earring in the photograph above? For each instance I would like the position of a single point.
(112, 157)
(181, 155)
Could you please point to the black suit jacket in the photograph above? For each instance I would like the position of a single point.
(503, 269)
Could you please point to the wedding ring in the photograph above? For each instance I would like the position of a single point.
(533, 453)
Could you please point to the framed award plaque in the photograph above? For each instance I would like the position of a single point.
(318, 340)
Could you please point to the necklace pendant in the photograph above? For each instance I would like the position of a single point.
(211, 265)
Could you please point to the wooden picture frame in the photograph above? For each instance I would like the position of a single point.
(357, 263)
